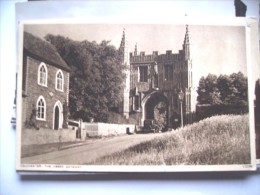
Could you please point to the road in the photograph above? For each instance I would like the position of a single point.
(88, 151)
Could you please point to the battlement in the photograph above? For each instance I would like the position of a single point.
(155, 56)
(142, 58)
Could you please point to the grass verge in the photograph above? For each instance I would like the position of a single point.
(219, 140)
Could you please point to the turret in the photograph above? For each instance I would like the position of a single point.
(187, 79)
(186, 44)
(135, 53)
(124, 107)
(124, 49)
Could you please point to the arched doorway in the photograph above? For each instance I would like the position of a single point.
(155, 110)
(57, 115)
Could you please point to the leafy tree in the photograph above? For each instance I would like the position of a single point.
(96, 76)
(202, 93)
(223, 90)
(224, 85)
(208, 92)
(239, 89)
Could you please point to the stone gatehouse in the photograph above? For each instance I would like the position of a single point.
(159, 78)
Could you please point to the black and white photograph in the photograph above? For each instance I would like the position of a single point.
(105, 97)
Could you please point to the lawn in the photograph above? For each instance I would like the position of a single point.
(212, 141)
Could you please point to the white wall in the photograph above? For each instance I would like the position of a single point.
(105, 129)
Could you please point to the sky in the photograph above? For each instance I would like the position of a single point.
(215, 49)
(151, 12)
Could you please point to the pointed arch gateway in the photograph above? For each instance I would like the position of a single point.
(155, 107)
(57, 115)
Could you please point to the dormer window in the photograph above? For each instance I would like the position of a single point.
(42, 74)
(59, 80)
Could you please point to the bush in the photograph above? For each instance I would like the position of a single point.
(207, 110)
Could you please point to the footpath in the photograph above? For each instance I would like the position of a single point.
(88, 151)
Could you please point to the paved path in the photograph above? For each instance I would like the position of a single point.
(89, 151)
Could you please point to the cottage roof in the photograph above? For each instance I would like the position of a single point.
(43, 50)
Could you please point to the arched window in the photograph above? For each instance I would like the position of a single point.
(42, 74)
(59, 80)
(41, 108)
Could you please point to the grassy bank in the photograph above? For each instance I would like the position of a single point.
(213, 141)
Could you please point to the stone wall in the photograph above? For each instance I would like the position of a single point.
(44, 136)
(105, 129)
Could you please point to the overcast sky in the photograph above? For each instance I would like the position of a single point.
(215, 49)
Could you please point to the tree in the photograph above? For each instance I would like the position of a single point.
(96, 76)
(223, 90)
(208, 92)
(224, 85)
(239, 89)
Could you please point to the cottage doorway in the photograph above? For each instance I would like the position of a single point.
(56, 118)
(57, 115)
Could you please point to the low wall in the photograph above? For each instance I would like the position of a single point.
(44, 136)
(106, 129)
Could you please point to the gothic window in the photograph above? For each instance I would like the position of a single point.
(143, 74)
(41, 108)
(156, 81)
(42, 74)
(136, 103)
(168, 73)
(59, 80)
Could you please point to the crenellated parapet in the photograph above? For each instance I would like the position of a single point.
(167, 74)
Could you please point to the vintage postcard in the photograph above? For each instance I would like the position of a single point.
(136, 97)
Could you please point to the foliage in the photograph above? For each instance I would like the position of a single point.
(96, 77)
(206, 110)
(160, 116)
(118, 118)
(31, 123)
(223, 90)
(220, 140)
(208, 92)
(65, 115)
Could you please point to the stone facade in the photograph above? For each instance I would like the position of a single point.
(43, 100)
(158, 78)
